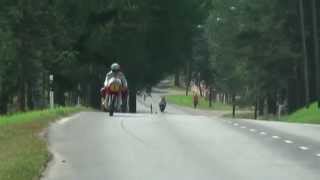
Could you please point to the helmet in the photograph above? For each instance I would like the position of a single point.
(115, 67)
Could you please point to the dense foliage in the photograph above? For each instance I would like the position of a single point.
(77, 40)
(266, 52)
(256, 52)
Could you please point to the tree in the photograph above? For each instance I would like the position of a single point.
(316, 49)
(77, 40)
(254, 47)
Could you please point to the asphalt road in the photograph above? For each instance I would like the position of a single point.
(181, 144)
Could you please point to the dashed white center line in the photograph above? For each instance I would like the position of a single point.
(236, 124)
(243, 127)
(318, 155)
(253, 130)
(288, 141)
(275, 137)
(304, 148)
(263, 133)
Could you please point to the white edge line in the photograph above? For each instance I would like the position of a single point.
(303, 148)
(276, 137)
(288, 142)
(66, 119)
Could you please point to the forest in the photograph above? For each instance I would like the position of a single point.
(265, 52)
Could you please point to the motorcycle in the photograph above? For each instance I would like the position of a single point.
(113, 98)
(162, 105)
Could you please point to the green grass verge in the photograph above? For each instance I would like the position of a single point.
(305, 115)
(309, 115)
(186, 101)
(22, 152)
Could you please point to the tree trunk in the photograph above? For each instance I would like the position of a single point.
(21, 96)
(256, 109)
(177, 79)
(272, 104)
(305, 54)
(30, 104)
(3, 103)
(261, 106)
(133, 100)
(316, 49)
(200, 89)
(189, 76)
(210, 96)
(233, 105)
(187, 88)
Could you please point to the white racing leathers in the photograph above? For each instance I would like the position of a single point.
(118, 75)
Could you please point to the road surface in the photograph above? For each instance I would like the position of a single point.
(181, 144)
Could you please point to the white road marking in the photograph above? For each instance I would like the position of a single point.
(236, 124)
(318, 155)
(243, 127)
(303, 148)
(288, 142)
(263, 133)
(66, 119)
(253, 130)
(275, 137)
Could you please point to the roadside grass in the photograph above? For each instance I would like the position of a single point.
(305, 115)
(309, 115)
(186, 101)
(23, 153)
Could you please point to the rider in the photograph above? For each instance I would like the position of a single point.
(116, 72)
(163, 101)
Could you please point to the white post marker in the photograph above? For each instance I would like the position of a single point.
(51, 99)
(78, 98)
(51, 94)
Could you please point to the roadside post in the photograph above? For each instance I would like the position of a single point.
(280, 109)
(51, 93)
(78, 97)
